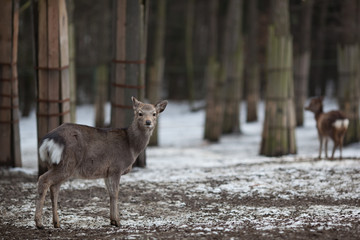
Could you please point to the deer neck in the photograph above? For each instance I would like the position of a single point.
(319, 113)
(138, 138)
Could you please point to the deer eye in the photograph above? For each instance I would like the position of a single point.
(154, 114)
(140, 114)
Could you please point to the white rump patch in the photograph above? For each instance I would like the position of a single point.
(51, 151)
(341, 123)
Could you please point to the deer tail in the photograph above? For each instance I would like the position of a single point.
(51, 151)
(341, 124)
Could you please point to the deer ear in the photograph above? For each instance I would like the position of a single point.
(160, 106)
(136, 103)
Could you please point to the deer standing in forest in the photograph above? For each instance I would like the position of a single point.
(79, 151)
(331, 124)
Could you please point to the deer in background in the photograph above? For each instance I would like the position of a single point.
(332, 125)
(79, 151)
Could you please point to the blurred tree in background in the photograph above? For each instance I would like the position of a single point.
(302, 54)
(348, 56)
(278, 137)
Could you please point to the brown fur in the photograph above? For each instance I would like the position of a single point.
(92, 153)
(325, 126)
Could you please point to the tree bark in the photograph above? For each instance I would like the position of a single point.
(129, 57)
(278, 137)
(348, 69)
(52, 68)
(9, 100)
(101, 83)
(190, 15)
(317, 55)
(215, 81)
(234, 67)
(157, 69)
(302, 55)
(252, 71)
(72, 55)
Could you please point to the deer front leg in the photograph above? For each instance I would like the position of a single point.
(112, 185)
(320, 147)
(326, 148)
(54, 193)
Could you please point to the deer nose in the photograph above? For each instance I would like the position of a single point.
(148, 122)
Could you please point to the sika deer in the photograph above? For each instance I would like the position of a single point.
(332, 125)
(73, 150)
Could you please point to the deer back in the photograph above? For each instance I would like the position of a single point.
(89, 152)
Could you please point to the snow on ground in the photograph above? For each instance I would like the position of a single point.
(233, 167)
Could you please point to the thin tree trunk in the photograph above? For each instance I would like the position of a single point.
(190, 15)
(302, 58)
(252, 71)
(231, 122)
(278, 137)
(72, 61)
(101, 83)
(9, 100)
(53, 68)
(157, 70)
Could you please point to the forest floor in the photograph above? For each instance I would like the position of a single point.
(278, 199)
(194, 190)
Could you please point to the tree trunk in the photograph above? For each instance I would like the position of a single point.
(189, 50)
(302, 55)
(129, 56)
(101, 83)
(9, 101)
(72, 67)
(349, 96)
(215, 81)
(52, 68)
(278, 137)
(318, 52)
(27, 84)
(157, 69)
(234, 67)
(348, 69)
(252, 71)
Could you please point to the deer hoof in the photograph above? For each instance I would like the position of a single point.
(39, 226)
(115, 223)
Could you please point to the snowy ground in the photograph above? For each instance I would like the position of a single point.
(194, 189)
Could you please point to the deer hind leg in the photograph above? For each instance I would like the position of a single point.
(54, 193)
(51, 179)
(44, 183)
(341, 145)
(112, 185)
(333, 151)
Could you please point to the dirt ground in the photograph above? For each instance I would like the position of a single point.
(199, 208)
